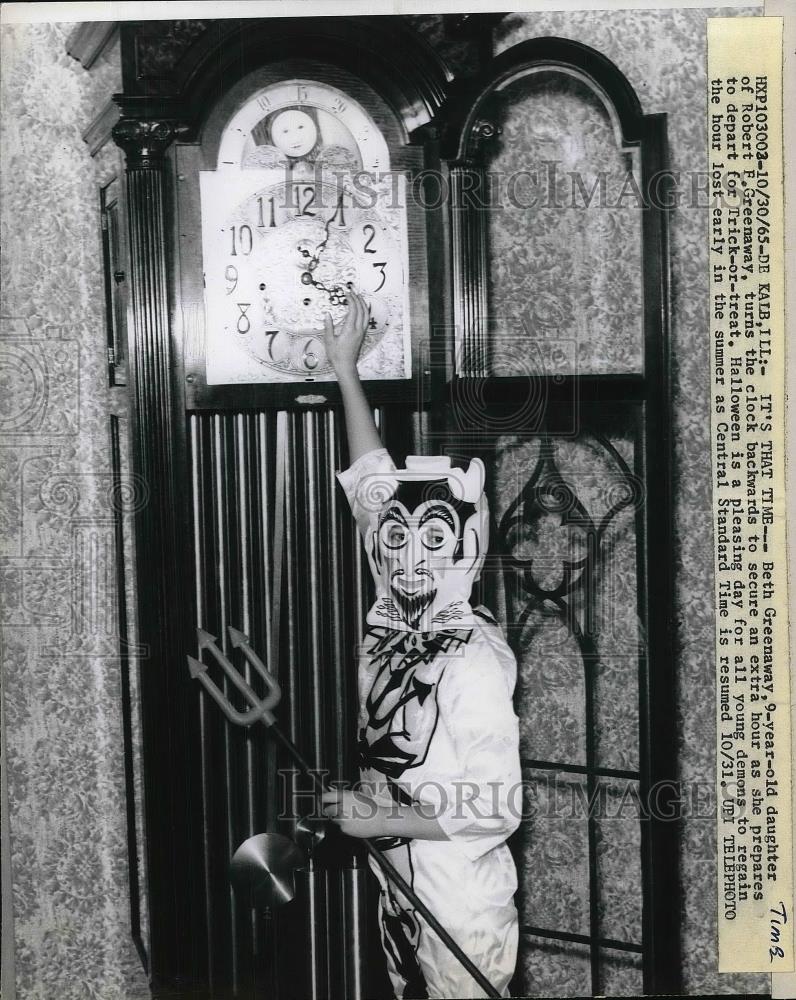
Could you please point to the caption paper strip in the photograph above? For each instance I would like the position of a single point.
(754, 846)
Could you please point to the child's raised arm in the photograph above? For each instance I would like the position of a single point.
(342, 348)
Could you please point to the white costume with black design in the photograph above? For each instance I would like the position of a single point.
(437, 725)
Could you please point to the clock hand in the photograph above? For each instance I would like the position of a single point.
(336, 294)
(315, 258)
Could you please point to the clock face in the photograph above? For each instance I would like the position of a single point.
(297, 215)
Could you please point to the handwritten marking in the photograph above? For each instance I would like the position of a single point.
(779, 919)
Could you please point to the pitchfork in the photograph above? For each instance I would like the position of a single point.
(282, 852)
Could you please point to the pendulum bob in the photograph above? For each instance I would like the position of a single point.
(266, 865)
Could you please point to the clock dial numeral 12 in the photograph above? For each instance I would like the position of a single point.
(308, 194)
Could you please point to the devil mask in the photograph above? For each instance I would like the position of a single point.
(426, 542)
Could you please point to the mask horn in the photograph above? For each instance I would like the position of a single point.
(472, 481)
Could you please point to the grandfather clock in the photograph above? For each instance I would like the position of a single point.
(272, 166)
(269, 171)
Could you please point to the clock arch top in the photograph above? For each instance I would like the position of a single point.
(302, 120)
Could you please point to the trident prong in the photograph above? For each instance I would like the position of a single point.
(199, 672)
(260, 709)
(274, 695)
(207, 641)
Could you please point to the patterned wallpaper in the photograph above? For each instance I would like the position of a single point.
(61, 694)
(565, 261)
(662, 55)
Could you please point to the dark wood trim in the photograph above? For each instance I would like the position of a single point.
(466, 127)
(101, 128)
(658, 687)
(383, 51)
(611, 943)
(471, 99)
(145, 141)
(468, 237)
(506, 390)
(89, 39)
(483, 408)
(134, 872)
(174, 848)
(289, 395)
(171, 110)
(601, 772)
(435, 361)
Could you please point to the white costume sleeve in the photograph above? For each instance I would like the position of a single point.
(484, 806)
(364, 483)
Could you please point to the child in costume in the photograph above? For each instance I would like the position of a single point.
(438, 737)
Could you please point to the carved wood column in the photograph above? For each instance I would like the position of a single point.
(173, 841)
(469, 204)
(144, 144)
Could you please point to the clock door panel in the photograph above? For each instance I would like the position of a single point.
(562, 386)
(279, 241)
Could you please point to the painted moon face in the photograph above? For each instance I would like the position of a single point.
(294, 132)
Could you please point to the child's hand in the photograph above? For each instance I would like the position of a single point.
(343, 343)
(354, 813)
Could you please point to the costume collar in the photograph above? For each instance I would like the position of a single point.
(458, 614)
